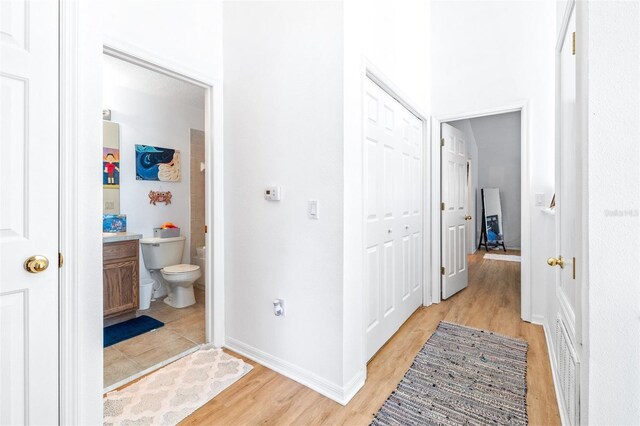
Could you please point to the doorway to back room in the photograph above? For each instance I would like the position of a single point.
(481, 177)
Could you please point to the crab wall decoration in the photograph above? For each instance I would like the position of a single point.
(159, 197)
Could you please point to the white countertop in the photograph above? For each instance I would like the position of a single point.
(112, 237)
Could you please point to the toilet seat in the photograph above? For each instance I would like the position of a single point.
(179, 269)
(180, 279)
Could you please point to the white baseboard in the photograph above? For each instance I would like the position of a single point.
(552, 356)
(538, 320)
(341, 395)
(353, 386)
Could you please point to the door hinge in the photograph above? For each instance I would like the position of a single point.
(442, 270)
(573, 43)
(60, 260)
(442, 206)
(205, 229)
(574, 268)
(441, 141)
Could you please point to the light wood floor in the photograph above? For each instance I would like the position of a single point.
(491, 302)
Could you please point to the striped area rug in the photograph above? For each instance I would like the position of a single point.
(461, 376)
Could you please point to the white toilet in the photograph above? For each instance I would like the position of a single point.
(165, 255)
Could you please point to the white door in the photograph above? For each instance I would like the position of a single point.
(393, 215)
(28, 211)
(566, 184)
(455, 273)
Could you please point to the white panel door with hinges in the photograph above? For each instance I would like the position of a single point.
(393, 146)
(455, 273)
(567, 179)
(568, 222)
(28, 212)
(566, 184)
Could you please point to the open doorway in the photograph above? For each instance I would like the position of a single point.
(154, 206)
(481, 187)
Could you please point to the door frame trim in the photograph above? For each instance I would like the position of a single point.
(214, 189)
(521, 106)
(68, 316)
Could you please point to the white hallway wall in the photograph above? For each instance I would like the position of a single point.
(610, 89)
(283, 123)
(152, 109)
(194, 43)
(508, 58)
(293, 88)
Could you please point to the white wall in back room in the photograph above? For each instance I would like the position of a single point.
(152, 109)
(497, 139)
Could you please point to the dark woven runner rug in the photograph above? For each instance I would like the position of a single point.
(461, 376)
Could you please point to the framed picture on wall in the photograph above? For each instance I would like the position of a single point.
(110, 168)
(155, 163)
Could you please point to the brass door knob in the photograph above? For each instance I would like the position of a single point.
(468, 217)
(36, 264)
(552, 261)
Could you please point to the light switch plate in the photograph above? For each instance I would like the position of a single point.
(313, 209)
(540, 200)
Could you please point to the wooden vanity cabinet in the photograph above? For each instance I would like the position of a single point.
(120, 269)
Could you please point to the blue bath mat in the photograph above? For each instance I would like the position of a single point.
(126, 330)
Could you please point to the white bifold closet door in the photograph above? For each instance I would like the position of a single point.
(393, 149)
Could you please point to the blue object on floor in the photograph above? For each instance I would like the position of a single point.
(126, 330)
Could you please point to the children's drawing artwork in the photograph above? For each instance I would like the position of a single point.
(111, 167)
(155, 163)
(160, 197)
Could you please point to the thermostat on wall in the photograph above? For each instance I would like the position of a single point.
(272, 193)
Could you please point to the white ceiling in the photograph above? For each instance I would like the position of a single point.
(124, 74)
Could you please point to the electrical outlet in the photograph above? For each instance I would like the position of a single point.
(540, 200)
(278, 307)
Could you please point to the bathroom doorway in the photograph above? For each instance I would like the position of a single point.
(154, 224)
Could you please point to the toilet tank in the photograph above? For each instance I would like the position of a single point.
(160, 252)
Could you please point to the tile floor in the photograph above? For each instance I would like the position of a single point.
(183, 329)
